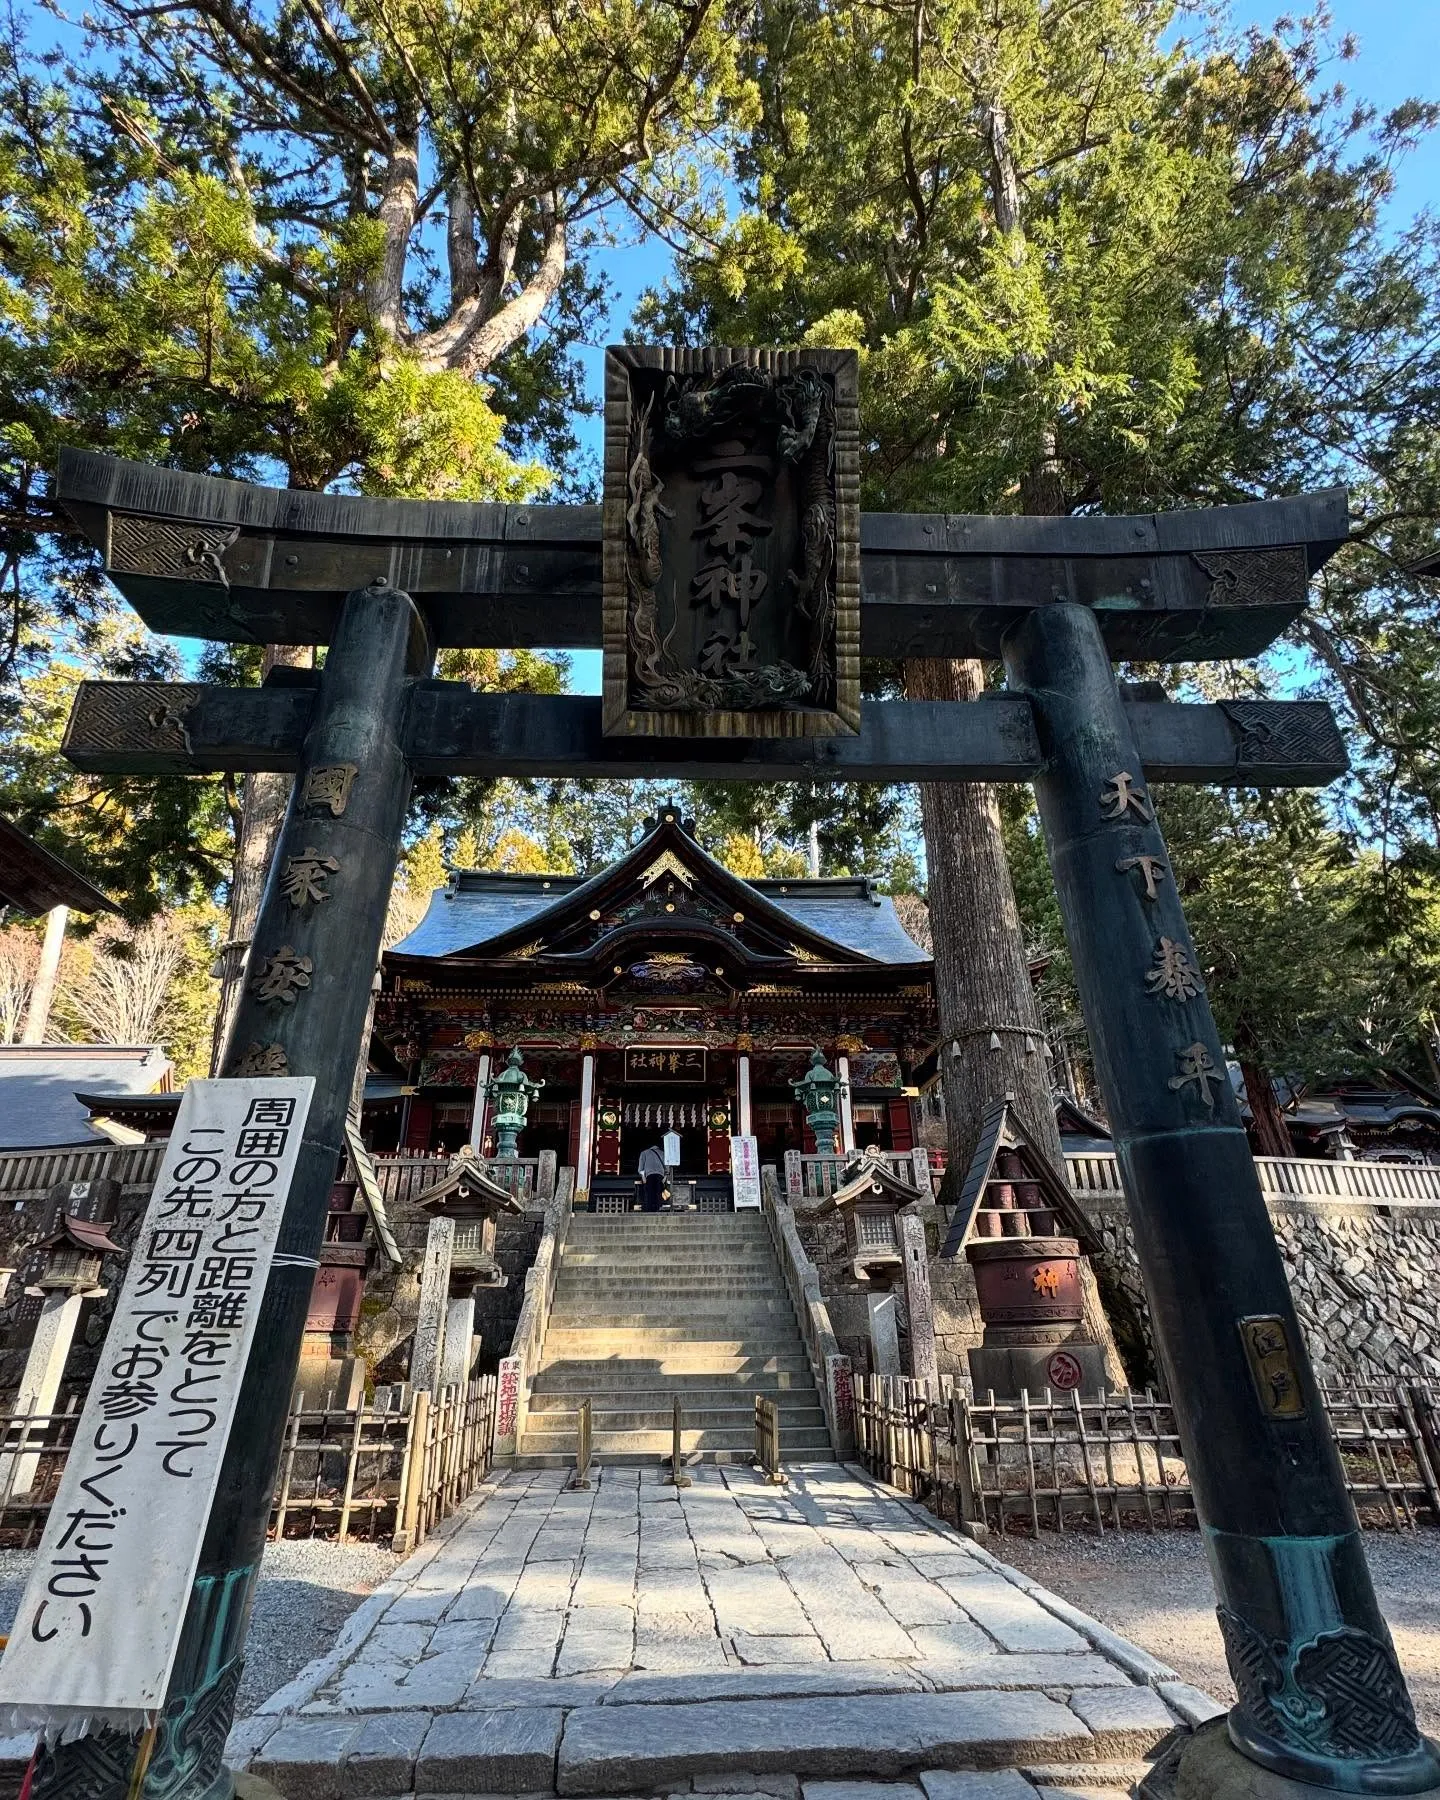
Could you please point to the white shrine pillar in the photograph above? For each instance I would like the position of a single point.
(42, 992)
(586, 1150)
(847, 1117)
(44, 1366)
(427, 1354)
(482, 1103)
(742, 1070)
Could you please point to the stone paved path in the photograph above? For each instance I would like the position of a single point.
(634, 1639)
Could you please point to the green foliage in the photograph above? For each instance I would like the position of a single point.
(325, 246)
(1090, 263)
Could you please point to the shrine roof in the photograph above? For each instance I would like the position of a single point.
(849, 912)
(478, 907)
(33, 879)
(40, 1085)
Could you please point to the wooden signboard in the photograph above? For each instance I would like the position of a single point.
(731, 543)
(663, 1064)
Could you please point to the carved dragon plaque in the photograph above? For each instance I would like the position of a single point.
(731, 543)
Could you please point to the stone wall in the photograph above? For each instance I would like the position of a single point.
(1364, 1280)
(392, 1296)
(952, 1288)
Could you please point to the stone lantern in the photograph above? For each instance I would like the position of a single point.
(818, 1091)
(885, 1239)
(464, 1209)
(511, 1092)
(69, 1275)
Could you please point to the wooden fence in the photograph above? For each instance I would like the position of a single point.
(374, 1473)
(1095, 1174)
(1114, 1459)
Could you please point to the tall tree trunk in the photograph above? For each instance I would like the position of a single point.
(263, 813)
(991, 1039)
(1271, 1132)
(399, 195)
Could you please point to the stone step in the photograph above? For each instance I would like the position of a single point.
(675, 1232)
(618, 1268)
(765, 1374)
(668, 1305)
(877, 1737)
(646, 1459)
(578, 1286)
(807, 1441)
(605, 1415)
(697, 1226)
(645, 1349)
(660, 1399)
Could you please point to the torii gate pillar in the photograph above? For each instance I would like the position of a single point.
(1321, 1696)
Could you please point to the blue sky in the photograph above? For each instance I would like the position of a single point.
(1397, 60)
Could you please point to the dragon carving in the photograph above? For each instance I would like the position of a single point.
(696, 411)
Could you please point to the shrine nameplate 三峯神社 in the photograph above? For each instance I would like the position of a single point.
(731, 543)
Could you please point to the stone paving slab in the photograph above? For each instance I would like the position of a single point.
(604, 1749)
(643, 1637)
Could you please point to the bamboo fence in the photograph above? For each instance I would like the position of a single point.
(368, 1473)
(1114, 1460)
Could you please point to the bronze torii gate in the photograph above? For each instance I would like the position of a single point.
(756, 456)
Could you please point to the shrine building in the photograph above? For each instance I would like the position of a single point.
(662, 995)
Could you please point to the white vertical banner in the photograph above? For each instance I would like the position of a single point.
(97, 1630)
(745, 1172)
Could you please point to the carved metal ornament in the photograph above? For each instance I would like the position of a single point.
(1272, 1366)
(329, 787)
(1338, 1696)
(1174, 976)
(159, 547)
(1152, 869)
(731, 543)
(282, 976)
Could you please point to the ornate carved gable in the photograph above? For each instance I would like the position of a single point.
(665, 918)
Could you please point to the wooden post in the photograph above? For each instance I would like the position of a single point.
(581, 1477)
(351, 1463)
(1297, 1607)
(42, 991)
(288, 1467)
(677, 1476)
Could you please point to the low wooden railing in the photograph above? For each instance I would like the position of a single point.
(1095, 1174)
(815, 1177)
(373, 1473)
(1114, 1460)
(36, 1171)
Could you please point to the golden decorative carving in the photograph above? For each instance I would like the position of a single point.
(666, 863)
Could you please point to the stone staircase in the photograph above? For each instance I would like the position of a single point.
(648, 1306)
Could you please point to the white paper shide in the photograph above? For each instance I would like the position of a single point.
(96, 1634)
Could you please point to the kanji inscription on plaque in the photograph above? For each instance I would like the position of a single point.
(731, 543)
